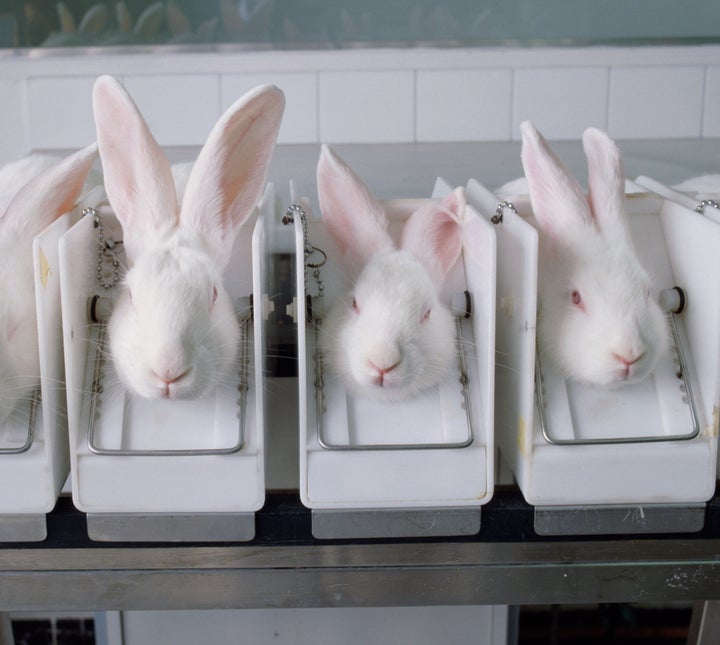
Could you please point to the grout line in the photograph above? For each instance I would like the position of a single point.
(703, 102)
(318, 111)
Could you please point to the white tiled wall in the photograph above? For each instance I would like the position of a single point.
(59, 112)
(180, 108)
(360, 106)
(562, 101)
(463, 105)
(300, 121)
(656, 102)
(711, 106)
(356, 96)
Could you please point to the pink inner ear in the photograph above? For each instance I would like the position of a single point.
(433, 234)
(228, 177)
(558, 202)
(137, 174)
(355, 220)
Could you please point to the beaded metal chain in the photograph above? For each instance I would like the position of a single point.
(105, 253)
(295, 210)
(700, 208)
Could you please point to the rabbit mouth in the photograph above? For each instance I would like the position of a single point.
(178, 384)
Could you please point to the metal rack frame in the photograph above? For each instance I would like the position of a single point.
(284, 567)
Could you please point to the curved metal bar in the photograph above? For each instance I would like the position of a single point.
(464, 382)
(685, 376)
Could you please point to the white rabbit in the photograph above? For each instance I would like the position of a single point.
(33, 193)
(390, 337)
(173, 331)
(597, 320)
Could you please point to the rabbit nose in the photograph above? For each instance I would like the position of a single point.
(382, 371)
(628, 359)
(168, 377)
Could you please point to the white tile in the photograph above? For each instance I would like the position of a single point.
(562, 102)
(300, 121)
(179, 109)
(464, 105)
(13, 122)
(367, 107)
(711, 109)
(60, 112)
(655, 102)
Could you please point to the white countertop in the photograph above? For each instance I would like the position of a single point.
(410, 169)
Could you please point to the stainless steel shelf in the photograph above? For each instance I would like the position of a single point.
(285, 567)
(359, 575)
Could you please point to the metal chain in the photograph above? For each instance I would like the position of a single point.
(498, 217)
(700, 208)
(308, 249)
(105, 253)
(295, 210)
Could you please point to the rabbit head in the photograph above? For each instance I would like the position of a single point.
(44, 188)
(390, 336)
(173, 332)
(598, 319)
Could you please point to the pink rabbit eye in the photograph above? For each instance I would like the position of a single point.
(214, 295)
(577, 299)
(426, 315)
(355, 307)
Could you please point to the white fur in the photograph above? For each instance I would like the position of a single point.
(398, 320)
(585, 247)
(173, 331)
(34, 191)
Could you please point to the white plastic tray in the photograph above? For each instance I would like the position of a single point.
(676, 251)
(232, 482)
(357, 472)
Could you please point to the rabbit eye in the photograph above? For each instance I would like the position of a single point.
(355, 307)
(577, 299)
(426, 315)
(647, 294)
(214, 295)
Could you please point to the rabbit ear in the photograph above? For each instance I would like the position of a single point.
(122, 15)
(606, 181)
(229, 175)
(434, 233)
(558, 202)
(137, 174)
(354, 218)
(177, 21)
(67, 20)
(48, 195)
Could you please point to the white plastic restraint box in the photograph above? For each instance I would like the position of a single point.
(634, 459)
(703, 199)
(422, 467)
(159, 470)
(34, 458)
